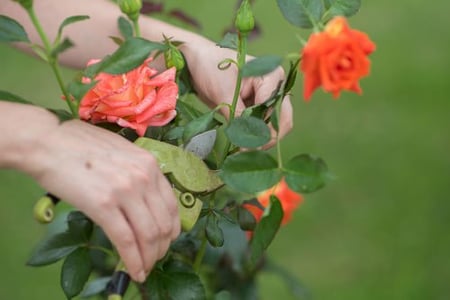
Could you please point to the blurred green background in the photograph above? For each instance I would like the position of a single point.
(381, 230)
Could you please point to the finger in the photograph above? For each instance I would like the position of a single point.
(284, 123)
(171, 203)
(265, 86)
(145, 228)
(286, 117)
(162, 221)
(116, 227)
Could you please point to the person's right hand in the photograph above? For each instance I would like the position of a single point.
(117, 184)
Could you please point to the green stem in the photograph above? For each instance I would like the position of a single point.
(39, 29)
(242, 53)
(201, 253)
(278, 144)
(280, 160)
(52, 61)
(72, 105)
(137, 29)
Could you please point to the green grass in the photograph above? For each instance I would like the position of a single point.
(380, 230)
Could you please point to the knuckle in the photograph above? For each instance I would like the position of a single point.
(139, 178)
(126, 241)
(106, 201)
(165, 229)
(150, 236)
(120, 185)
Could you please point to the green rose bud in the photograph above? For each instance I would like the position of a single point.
(43, 210)
(131, 8)
(27, 4)
(174, 58)
(244, 19)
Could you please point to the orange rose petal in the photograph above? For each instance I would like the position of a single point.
(148, 101)
(119, 112)
(165, 101)
(289, 200)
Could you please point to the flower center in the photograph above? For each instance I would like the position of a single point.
(344, 63)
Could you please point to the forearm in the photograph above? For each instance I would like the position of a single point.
(91, 37)
(21, 126)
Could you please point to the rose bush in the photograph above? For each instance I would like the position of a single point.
(223, 191)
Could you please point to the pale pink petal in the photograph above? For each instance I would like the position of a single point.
(162, 78)
(93, 61)
(162, 119)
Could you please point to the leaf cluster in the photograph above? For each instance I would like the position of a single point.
(73, 245)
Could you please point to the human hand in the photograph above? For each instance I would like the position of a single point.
(215, 86)
(117, 184)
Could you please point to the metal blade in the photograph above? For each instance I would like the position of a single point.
(202, 144)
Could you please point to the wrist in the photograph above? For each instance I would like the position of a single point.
(24, 126)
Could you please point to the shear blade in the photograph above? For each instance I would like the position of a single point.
(202, 144)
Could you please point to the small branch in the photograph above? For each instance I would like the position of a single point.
(201, 253)
(53, 62)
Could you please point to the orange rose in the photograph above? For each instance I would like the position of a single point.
(137, 99)
(336, 59)
(289, 200)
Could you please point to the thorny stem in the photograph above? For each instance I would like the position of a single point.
(52, 61)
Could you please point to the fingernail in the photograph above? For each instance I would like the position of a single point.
(141, 277)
